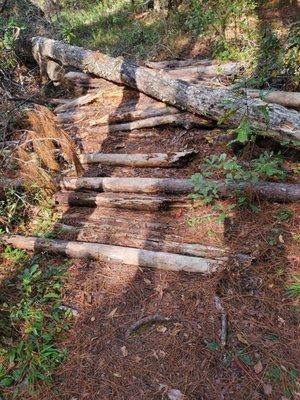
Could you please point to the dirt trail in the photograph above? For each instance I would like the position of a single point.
(184, 353)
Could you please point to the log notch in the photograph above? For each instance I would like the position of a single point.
(117, 200)
(125, 255)
(161, 160)
(272, 191)
(208, 102)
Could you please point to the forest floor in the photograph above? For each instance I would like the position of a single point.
(182, 357)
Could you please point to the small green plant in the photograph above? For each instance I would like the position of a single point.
(268, 165)
(15, 256)
(45, 219)
(284, 214)
(204, 189)
(293, 289)
(37, 320)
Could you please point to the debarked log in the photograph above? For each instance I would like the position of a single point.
(87, 233)
(125, 255)
(286, 192)
(211, 103)
(161, 160)
(184, 120)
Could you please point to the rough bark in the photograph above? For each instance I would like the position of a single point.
(116, 200)
(125, 255)
(211, 103)
(272, 191)
(162, 160)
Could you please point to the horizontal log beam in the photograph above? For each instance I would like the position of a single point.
(87, 233)
(161, 160)
(117, 200)
(125, 255)
(210, 103)
(285, 192)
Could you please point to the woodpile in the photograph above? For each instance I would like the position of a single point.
(211, 103)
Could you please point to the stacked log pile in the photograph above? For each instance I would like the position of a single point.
(113, 97)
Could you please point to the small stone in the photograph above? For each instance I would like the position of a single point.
(124, 351)
(93, 319)
(175, 394)
(258, 367)
(267, 389)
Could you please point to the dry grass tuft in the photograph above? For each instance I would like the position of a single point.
(38, 153)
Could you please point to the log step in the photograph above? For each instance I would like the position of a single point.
(286, 192)
(117, 200)
(125, 255)
(161, 160)
(148, 240)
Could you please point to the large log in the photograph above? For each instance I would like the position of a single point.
(125, 255)
(121, 115)
(116, 200)
(88, 232)
(231, 67)
(286, 99)
(286, 192)
(153, 160)
(211, 103)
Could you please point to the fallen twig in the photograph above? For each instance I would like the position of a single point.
(220, 308)
(151, 319)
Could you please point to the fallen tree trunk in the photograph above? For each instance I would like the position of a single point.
(272, 191)
(116, 200)
(125, 255)
(162, 160)
(87, 233)
(211, 103)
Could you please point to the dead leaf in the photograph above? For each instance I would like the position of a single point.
(175, 394)
(112, 313)
(280, 238)
(147, 281)
(258, 367)
(176, 330)
(242, 339)
(137, 359)
(93, 319)
(267, 389)
(161, 329)
(124, 351)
